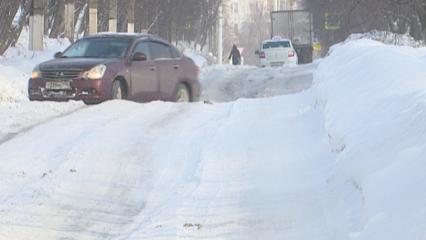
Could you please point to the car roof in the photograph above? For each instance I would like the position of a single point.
(131, 36)
(277, 40)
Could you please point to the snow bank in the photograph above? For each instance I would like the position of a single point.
(387, 38)
(373, 98)
(18, 62)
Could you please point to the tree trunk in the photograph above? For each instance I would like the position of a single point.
(8, 10)
(58, 24)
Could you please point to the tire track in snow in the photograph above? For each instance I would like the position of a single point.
(9, 136)
(251, 82)
(86, 221)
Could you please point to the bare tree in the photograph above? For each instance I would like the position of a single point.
(395, 16)
(192, 21)
(12, 19)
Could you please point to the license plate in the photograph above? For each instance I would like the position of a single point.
(58, 85)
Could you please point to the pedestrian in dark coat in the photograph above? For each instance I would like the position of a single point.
(235, 55)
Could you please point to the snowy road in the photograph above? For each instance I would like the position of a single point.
(123, 170)
(18, 117)
(228, 83)
(161, 170)
(220, 84)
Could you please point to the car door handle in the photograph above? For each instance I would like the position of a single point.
(176, 66)
(152, 68)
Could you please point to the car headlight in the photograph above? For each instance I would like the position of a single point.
(96, 72)
(36, 73)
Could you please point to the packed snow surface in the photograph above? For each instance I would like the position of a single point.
(228, 83)
(159, 171)
(342, 159)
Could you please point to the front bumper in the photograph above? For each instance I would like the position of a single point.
(80, 89)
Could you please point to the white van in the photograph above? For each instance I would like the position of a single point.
(277, 52)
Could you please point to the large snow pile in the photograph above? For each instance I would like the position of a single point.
(18, 62)
(374, 105)
(387, 38)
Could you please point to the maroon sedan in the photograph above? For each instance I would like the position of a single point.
(116, 66)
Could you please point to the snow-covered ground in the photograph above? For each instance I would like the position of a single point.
(17, 114)
(342, 159)
(161, 170)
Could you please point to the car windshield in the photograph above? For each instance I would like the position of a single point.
(280, 44)
(98, 48)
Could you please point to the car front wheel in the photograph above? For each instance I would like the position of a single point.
(182, 94)
(117, 91)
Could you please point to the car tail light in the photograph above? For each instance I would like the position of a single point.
(262, 55)
(291, 53)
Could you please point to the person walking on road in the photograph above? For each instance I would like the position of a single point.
(235, 55)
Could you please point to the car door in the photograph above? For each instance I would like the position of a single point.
(144, 82)
(168, 69)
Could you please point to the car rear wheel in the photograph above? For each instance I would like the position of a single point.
(117, 90)
(182, 94)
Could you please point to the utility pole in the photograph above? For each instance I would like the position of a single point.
(131, 16)
(37, 25)
(93, 17)
(112, 23)
(220, 37)
(69, 19)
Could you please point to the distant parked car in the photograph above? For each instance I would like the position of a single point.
(116, 66)
(277, 52)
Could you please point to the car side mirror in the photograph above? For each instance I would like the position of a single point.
(58, 55)
(139, 57)
(257, 52)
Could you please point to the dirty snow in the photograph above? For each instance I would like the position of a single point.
(228, 83)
